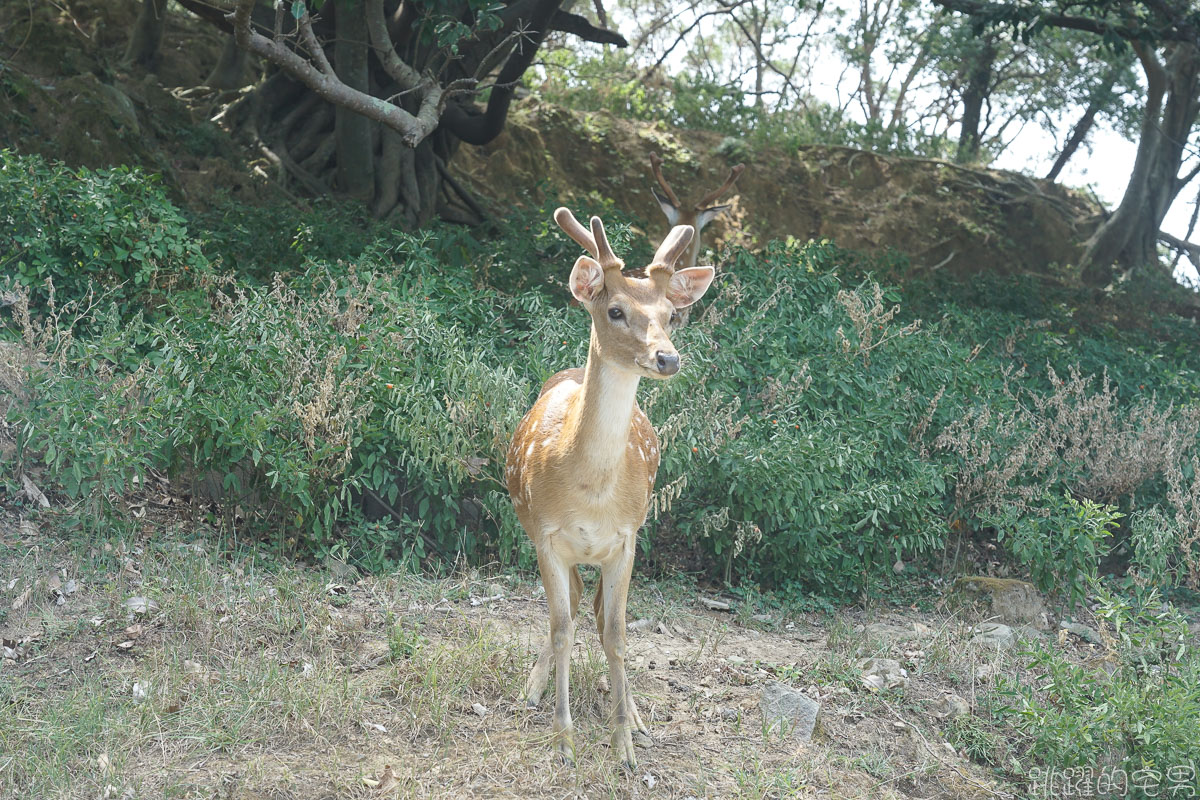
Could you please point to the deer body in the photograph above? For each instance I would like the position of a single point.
(581, 466)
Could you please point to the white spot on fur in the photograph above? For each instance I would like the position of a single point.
(529, 450)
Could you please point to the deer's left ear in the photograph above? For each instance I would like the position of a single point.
(708, 215)
(689, 285)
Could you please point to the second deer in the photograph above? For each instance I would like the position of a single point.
(697, 214)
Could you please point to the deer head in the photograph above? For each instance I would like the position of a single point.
(696, 215)
(634, 312)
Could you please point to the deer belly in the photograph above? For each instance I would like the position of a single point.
(589, 541)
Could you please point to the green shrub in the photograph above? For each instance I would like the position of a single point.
(111, 231)
(1137, 716)
(1059, 541)
(786, 440)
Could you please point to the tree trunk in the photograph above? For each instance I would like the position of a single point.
(147, 34)
(1101, 96)
(1130, 235)
(355, 157)
(230, 70)
(979, 84)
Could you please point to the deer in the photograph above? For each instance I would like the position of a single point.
(580, 469)
(697, 215)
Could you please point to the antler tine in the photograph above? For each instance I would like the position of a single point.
(673, 246)
(656, 168)
(604, 253)
(734, 174)
(571, 227)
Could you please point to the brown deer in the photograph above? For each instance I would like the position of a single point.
(581, 466)
(697, 215)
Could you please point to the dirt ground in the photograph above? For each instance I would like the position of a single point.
(165, 663)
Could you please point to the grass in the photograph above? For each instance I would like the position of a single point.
(256, 677)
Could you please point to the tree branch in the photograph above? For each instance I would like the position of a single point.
(412, 129)
(579, 26)
(1190, 249)
(1174, 28)
(479, 129)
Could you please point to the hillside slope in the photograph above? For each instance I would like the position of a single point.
(942, 215)
(63, 95)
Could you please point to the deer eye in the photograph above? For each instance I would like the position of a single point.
(675, 318)
(615, 314)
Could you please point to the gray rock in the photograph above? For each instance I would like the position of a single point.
(1082, 631)
(994, 634)
(882, 673)
(1011, 601)
(951, 706)
(789, 711)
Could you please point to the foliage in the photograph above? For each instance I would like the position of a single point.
(1135, 719)
(613, 82)
(772, 399)
(1059, 541)
(364, 411)
(109, 231)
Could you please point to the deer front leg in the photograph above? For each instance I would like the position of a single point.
(562, 635)
(615, 589)
(538, 676)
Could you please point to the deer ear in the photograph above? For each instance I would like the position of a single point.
(708, 215)
(667, 206)
(689, 285)
(587, 279)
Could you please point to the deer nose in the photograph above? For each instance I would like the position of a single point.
(667, 363)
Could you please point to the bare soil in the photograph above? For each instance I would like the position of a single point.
(247, 678)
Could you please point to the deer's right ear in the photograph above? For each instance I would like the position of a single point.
(667, 206)
(587, 279)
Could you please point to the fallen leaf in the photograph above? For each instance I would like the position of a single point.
(375, 726)
(23, 598)
(104, 763)
(33, 492)
(140, 605)
(387, 780)
(480, 709)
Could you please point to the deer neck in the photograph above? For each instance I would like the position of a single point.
(599, 422)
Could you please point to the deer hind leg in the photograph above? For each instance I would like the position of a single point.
(540, 674)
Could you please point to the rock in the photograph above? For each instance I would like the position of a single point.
(1011, 601)
(882, 673)
(885, 631)
(786, 710)
(641, 625)
(951, 706)
(715, 605)
(994, 634)
(1082, 631)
